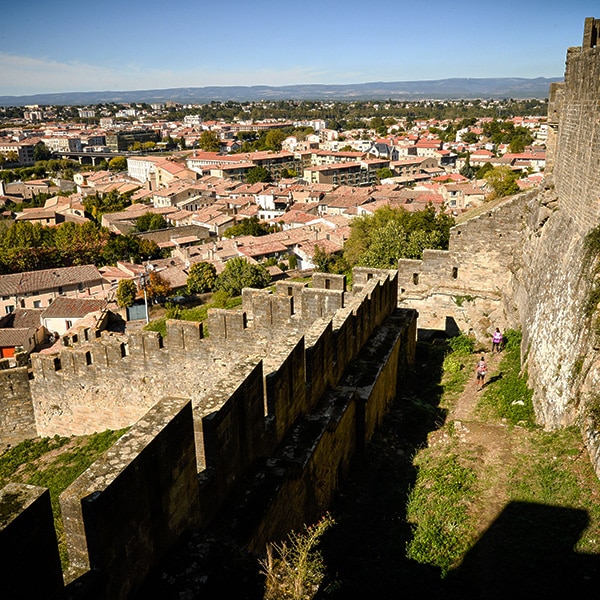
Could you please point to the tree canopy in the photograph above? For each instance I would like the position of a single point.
(250, 226)
(202, 278)
(150, 222)
(239, 273)
(118, 163)
(126, 293)
(157, 287)
(258, 174)
(209, 141)
(26, 246)
(97, 205)
(503, 181)
(379, 240)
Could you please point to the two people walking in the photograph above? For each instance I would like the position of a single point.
(481, 368)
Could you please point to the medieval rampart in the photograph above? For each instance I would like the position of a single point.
(17, 420)
(520, 262)
(553, 282)
(464, 288)
(298, 392)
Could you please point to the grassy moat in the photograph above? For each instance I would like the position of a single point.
(459, 495)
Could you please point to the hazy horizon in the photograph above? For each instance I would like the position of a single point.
(153, 45)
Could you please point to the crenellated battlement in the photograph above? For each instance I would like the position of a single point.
(204, 411)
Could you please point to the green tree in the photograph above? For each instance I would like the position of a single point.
(249, 226)
(503, 181)
(118, 163)
(239, 273)
(150, 222)
(11, 156)
(484, 170)
(126, 293)
(467, 170)
(379, 240)
(469, 137)
(202, 278)
(258, 174)
(274, 139)
(209, 141)
(41, 152)
(80, 244)
(384, 173)
(97, 205)
(329, 262)
(129, 248)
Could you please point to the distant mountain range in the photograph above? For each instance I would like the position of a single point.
(467, 88)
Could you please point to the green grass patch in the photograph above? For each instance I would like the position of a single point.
(33, 462)
(456, 368)
(197, 314)
(506, 394)
(24, 453)
(438, 508)
(557, 471)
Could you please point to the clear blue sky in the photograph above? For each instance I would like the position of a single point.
(68, 46)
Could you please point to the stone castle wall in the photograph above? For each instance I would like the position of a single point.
(183, 458)
(17, 419)
(553, 283)
(464, 288)
(520, 262)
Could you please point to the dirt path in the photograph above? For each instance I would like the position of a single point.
(493, 444)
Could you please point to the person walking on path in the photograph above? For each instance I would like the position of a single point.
(481, 370)
(496, 340)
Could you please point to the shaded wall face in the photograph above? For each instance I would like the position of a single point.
(577, 163)
(553, 284)
(17, 418)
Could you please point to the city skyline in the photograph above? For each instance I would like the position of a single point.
(82, 48)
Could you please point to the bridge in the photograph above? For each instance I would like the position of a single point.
(91, 158)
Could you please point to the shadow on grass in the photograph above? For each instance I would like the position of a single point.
(494, 378)
(365, 550)
(526, 553)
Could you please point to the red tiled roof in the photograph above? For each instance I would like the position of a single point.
(16, 284)
(73, 307)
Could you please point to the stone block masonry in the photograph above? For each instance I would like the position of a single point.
(17, 419)
(465, 288)
(552, 282)
(134, 503)
(239, 396)
(519, 262)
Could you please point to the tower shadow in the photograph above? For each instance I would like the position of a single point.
(528, 552)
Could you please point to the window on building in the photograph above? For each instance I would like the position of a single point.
(37, 304)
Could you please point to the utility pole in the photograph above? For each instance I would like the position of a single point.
(143, 283)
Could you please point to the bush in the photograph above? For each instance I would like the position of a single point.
(463, 344)
(295, 569)
(238, 274)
